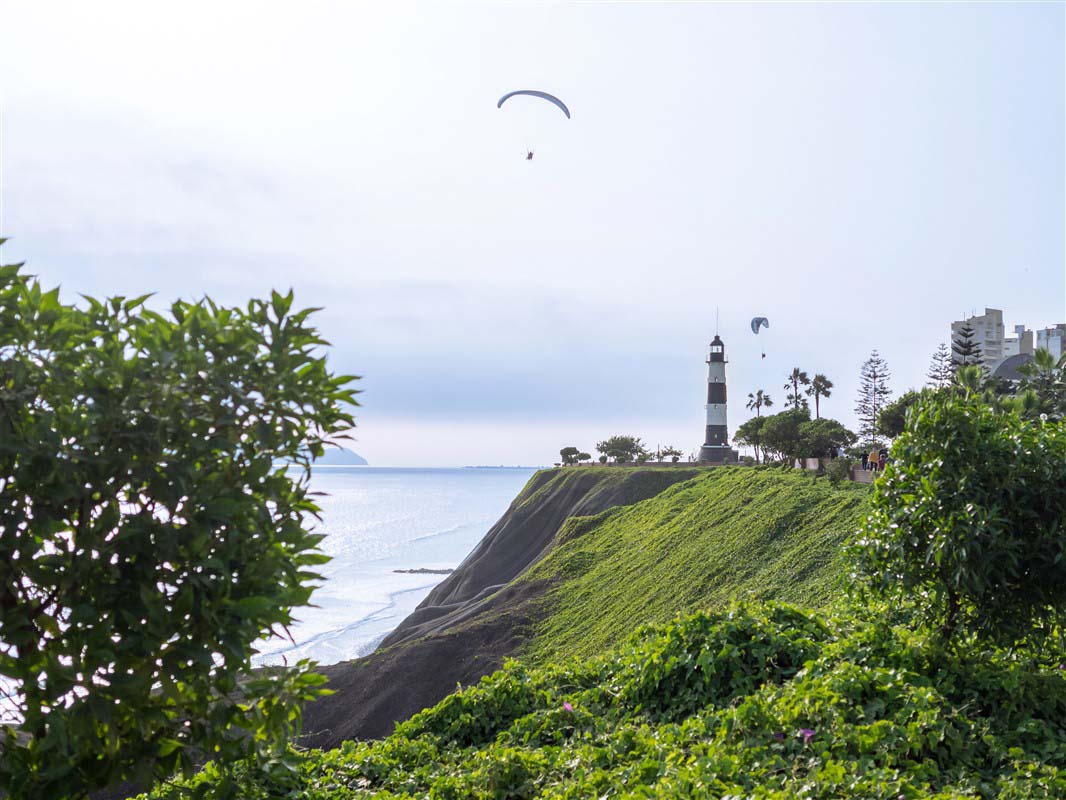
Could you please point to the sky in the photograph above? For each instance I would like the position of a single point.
(861, 174)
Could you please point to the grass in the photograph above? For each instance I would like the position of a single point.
(726, 534)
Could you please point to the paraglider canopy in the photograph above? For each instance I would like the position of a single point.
(534, 93)
(759, 322)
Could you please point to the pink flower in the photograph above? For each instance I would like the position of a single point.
(568, 707)
(807, 734)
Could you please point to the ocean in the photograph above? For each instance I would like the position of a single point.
(378, 520)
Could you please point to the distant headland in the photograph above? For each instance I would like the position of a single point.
(340, 457)
(500, 466)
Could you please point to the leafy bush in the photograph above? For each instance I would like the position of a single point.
(821, 437)
(621, 448)
(892, 418)
(971, 514)
(671, 674)
(754, 701)
(780, 434)
(839, 469)
(793, 434)
(750, 434)
(1043, 385)
(148, 540)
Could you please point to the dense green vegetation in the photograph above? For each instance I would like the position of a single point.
(971, 514)
(793, 434)
(753, 701)
(919, 697)
(148, 541)
(731, 532)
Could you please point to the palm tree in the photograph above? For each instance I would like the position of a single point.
(820, 387)
(756, 402)
(796, 379)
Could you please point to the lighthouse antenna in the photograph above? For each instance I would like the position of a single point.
(716, 320)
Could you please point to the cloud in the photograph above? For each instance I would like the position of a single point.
(860, 175)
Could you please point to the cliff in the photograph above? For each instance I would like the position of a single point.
(473, 620)
(523, 535)
(580, 559)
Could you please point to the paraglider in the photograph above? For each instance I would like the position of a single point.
(534, 93)
(759, 322)
(543, 96)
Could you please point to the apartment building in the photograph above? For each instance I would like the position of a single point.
(996, 346)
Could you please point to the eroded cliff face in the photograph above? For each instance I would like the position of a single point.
(478, 616)
(523, 535)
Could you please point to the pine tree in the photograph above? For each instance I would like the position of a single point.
(941, 368)
(964, 349)
(873, 395)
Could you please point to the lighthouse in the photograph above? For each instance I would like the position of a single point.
(716, 449)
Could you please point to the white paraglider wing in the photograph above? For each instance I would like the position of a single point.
(534, 93)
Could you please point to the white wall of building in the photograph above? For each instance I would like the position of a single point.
(988, 334)
(996, 346)
(1052, 339)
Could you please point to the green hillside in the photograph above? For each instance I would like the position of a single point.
(582, 558)
(755, 701)
(729, 533)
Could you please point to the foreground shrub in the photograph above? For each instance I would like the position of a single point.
(702, 707)
(970, 515)
(839, 469)
(147, 539)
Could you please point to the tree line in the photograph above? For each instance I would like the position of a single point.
(621, 449)
(792, 433)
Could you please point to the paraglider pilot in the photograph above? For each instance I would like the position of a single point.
(529, 156)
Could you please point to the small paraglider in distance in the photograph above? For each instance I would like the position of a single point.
(759, 322)
(535, 93)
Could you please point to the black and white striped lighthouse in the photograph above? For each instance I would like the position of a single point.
(716, 449)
